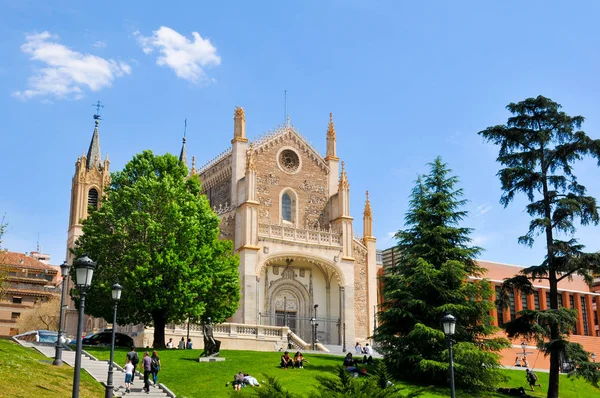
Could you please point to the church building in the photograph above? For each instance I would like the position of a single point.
(287, 210)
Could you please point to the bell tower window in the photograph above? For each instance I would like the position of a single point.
(93, 198)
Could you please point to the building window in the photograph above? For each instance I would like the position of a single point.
(584, 316)
(524, 301)
(536, 300)
(560, 303)
(15, 315)
(93, 198)
(513, 311)
(499, 308)
(17, 300)
(571, 301)
(288, 206)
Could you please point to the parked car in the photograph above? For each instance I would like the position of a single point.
(38, 336)
(105, 338)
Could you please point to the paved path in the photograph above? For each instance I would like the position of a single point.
(99, 371)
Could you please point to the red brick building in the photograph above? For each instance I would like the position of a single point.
(575, 293)
(30, 281)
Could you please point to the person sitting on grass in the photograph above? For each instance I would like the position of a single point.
(532, 379)
(349, 361)
(286, 360)
(299, 360)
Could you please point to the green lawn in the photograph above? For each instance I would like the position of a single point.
(24, 376)
(188, 379)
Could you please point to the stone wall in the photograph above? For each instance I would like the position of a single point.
(309, 184)
(220, 193)
(227, 226)
(361, 320)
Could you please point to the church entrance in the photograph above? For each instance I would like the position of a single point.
(300, 295)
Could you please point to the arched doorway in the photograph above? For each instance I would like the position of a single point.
(295, 289)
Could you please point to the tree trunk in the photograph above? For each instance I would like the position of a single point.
(554, 334)
(159, 331)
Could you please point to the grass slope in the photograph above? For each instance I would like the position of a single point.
(24, 376)
(187, 378)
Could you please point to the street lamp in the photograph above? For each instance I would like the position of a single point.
(116, 296)
(84, 271)
(64, 272)
(449, 323)
(316, 324)
(312, 329)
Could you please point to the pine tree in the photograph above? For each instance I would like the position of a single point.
(538, 147)
(431, 279)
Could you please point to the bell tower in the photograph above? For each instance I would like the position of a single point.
(91, 180)
(92, 177)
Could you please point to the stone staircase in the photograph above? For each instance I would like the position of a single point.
(99, 371)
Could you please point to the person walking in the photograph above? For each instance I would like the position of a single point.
(147, 365)
(532, 379)
(155, 366)
(128, 375)
(132, 356)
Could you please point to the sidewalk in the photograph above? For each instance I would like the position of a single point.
(99, 371)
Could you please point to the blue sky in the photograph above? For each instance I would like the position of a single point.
(406, 82)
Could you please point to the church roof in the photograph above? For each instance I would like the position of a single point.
(281, 132)
(93, 155)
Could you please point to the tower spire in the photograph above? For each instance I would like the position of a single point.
(94, 159)
(331, 140)
(343, 178)
(183, 154)
(367, 221)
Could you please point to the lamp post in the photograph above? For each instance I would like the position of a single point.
(449, 323)
(316, 325)
(116, 296)
(64, 272)
(84, 271)
(593, 357)
(312, 330)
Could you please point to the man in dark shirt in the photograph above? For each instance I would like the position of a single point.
(133, 357)
(147, 364)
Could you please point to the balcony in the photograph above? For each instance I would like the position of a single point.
(318, 237)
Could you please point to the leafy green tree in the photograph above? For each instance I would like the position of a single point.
(156, 235)
(539, 145)
(431, 279)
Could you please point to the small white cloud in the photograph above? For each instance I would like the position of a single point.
(479, 240)
(99, 44)
(187, 58)
(482, 209)
(66, 73)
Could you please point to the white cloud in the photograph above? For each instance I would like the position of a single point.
(99, 44)
(482, 209)
(66, 73)
(187, 58)
(479, 240)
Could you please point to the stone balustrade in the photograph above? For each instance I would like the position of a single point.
(298, 235)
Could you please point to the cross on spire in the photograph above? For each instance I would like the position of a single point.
(98, 105)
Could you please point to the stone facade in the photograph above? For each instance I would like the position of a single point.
(287, 210)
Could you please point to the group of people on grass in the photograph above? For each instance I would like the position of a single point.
(296, 362)
(182, 344)
(150, 365)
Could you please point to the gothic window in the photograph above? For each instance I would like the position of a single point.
(93, 198)
(286, 207)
